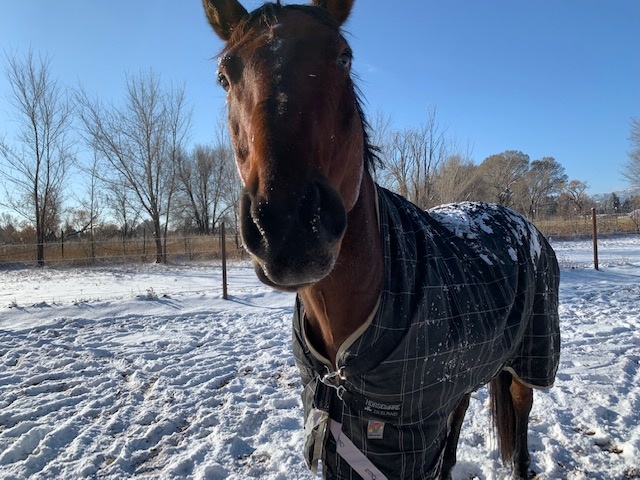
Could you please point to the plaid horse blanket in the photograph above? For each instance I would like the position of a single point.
(470, 289)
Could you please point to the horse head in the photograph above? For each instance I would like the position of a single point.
(297, 131)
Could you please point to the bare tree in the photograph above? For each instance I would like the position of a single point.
(396, 165)
(124, 208)
(455, 179)
(574, 197)
(141, 141)
(380, 132)
(8, 229)
(85, 218)
(207, 183)
(35, 164)
(632, 167)
(203, 175)
(502, 175)
(380, 139)
(633, 207)
(542, 181)
(411, 158)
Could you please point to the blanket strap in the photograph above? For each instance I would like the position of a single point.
(354, 457)
(329, 385)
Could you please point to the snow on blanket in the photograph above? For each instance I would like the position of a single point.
(145, 372)
(466, 293)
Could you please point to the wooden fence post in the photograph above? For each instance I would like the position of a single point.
(62, 244)
(595, 238)
(223, 249)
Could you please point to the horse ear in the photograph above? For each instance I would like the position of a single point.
(224, 15)
(339, 9)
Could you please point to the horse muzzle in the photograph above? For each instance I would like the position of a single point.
(294, 239)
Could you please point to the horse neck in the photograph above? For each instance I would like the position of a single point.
(340, 303)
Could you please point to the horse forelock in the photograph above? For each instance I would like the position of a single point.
(267, 15)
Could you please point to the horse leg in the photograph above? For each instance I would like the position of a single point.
(522, 399)
(511, 403)
(457, 417)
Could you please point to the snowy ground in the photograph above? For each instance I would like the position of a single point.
(146, 372)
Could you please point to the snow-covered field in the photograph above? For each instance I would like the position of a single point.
(145, 372)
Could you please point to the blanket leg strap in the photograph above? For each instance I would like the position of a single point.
(354, 457)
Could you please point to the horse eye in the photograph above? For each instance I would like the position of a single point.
(223, 81)
(344, 59)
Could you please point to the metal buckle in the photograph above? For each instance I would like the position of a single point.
(334, 380)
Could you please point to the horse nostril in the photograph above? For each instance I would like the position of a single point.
(252, 234)
(309, 210)
(272, 228)
(334, 216)
(321, 212)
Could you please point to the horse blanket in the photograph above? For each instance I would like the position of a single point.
(470, 289)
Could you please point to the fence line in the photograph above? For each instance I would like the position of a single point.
(581, 226)
(86, 251)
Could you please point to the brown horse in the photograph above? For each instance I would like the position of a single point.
(401, 314)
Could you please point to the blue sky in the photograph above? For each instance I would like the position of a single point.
(554, 78)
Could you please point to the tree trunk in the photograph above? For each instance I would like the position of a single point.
(157, 235)
(39, 235)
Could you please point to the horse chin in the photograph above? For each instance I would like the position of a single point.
(292, 279)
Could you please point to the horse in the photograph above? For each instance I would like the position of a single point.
(400, 313)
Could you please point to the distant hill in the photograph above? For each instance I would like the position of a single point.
(622, 194)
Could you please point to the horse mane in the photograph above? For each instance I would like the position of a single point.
(267, 15)
(371, 152)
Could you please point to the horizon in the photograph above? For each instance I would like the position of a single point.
(548, 79)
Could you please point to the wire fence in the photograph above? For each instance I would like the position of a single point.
(84, 250)
(580, 226)
(87, 251)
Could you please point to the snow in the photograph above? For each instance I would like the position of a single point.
(147, 372)
(470, 220)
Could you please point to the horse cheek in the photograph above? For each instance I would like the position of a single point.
(352, 173)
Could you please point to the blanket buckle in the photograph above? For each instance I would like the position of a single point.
(334, 380)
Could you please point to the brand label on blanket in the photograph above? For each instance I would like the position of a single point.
(375, 430)
(380, 409)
